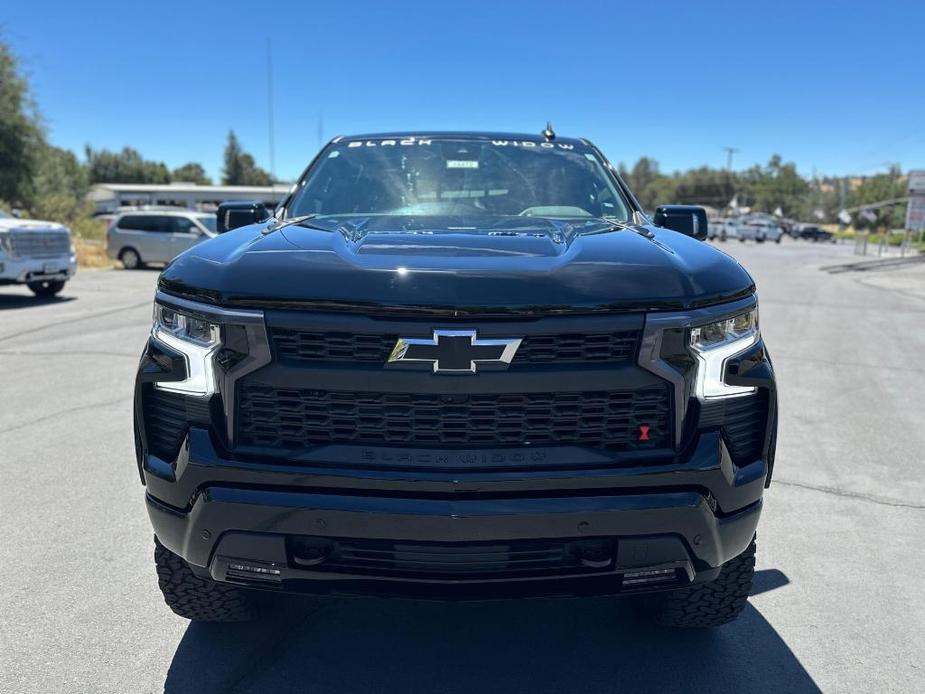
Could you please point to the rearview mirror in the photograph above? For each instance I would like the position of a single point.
(689, 220)
(232, 215)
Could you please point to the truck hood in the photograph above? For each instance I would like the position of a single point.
(6, 224)
(477, 265)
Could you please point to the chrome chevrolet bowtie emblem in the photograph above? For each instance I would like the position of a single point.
(454, 351)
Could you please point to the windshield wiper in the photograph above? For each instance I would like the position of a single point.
(293, 221)
(616, 223)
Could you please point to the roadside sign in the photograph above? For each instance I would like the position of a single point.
(915, 210)
(915, 213)
(917, 182)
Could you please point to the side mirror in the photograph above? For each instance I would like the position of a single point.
(231, 215)
(689, 220)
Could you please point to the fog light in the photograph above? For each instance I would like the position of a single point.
(649, 576)
(254, 569)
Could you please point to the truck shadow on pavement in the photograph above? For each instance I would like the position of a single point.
(11, 301)
(536, 646)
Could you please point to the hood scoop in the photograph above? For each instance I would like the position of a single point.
(451, 243)
(477, 236)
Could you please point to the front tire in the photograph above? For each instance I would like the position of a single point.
(195, 598)
(130, 259)
(46, 288)
(711, 604)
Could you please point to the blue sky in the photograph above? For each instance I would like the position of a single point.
(839, 86)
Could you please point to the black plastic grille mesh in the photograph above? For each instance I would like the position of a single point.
(300, 345)
(471, 560)
(167, 418)
(284, 418)
(744, 426)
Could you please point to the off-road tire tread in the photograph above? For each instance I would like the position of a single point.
(711, 604)
(198, 599)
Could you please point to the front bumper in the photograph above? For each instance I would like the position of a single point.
(23, 270)
(659, 526)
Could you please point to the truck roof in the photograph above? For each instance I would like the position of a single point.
(458, 135)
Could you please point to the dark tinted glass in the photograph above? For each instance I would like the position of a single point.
(183, 225)
(136, 222)
(147, 222)
(468, 177)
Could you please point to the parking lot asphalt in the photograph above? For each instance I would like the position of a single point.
(838, 604)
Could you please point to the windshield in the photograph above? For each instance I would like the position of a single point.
(208, 221)
(459, 177)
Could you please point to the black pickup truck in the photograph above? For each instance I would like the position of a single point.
(456, 365)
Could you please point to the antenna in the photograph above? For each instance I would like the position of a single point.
(270, 111)
(548, 132)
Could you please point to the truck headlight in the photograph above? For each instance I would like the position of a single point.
(197, 340)
(714, 344)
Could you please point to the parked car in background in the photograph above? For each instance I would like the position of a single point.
(723, 229)
(138, 238)
(35, 253)
(760, 230)
(809, 232)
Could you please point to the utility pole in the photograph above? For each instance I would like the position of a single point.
(270, 111)
(729, 152)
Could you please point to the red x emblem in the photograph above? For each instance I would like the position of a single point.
(643, 432)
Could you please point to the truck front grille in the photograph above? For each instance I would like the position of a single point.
(39, 244)
(742, 421)
(167, 418)
(744, 426)
(510, 559)
(308, 346)
(272, 417)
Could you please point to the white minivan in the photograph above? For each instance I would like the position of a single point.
(156, 236)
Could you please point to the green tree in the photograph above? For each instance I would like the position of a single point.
(649, 185)
(233, 171)
(880, 188)
(240, 168)
(20, 132)
(126, 166)
(705, 186)
(191, 173)
(58, 171)
(777, 185)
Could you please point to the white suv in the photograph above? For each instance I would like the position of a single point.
(35, 253)
(156, 236)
